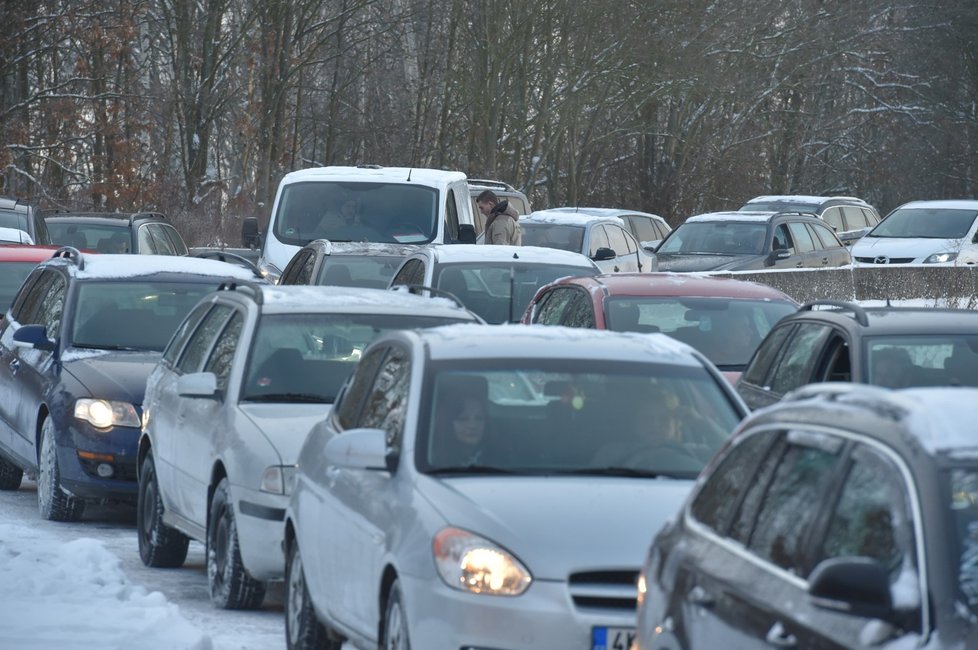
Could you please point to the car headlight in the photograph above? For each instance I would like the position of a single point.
(278, 479)
(940, 258)
(102, 414)
(642, 588)
(269, 271)
(468, 562)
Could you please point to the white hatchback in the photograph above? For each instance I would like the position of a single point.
(939, 233)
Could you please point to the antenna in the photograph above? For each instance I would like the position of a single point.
(410, 171)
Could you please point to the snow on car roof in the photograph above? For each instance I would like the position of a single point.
(299, 298)
(801, 198)
(367, 248)
(733, 216)
(123, 266)
(568, 218)
(462, 253)
(940, 418)
(667, 283)
(960, 204)
(406, 175)
(553, 342)
(604, 212)
(15, 235)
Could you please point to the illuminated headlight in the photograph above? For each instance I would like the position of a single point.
(468, 562)
(278, 479)
(642, 588)
(103, 414)
(941, 258)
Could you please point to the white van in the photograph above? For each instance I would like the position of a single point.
(377, 204)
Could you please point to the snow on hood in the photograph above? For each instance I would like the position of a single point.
(124, 266)
(114, 375)
(286, 426)
(560, 525)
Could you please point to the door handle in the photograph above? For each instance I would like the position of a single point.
(14, 366)
(699, 596)
(780, 637)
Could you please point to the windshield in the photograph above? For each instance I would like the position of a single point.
(134, 314)
(552, 235)
(307, 357)
(13, 219)
(927, 223)
(373, 271)
(963, 483)
(725, 330)
(938, 360)
(501, 292)
(105, 238)
(12, 275)
(580, 417)
(717, 238)
(350, 211)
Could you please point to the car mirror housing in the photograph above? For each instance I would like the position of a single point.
(859, 586)
(359, 449)
(250, 233)
(603, 254)
(34, 336)
(197, 384)
(777, 254)
(466, 233)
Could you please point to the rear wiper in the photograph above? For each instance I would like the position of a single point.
(471, 469)
(287, 397)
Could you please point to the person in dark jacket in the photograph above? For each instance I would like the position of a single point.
(501, 220)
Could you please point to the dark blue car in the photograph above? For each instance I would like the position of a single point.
(76, 346)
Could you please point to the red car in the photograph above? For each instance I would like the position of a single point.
(724, 319)
(16, 262)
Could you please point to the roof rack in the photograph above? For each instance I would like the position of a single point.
(497, 184)
(71, 254)
(858, 312)
(243, 286)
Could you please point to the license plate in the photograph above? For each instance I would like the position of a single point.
(612, 638)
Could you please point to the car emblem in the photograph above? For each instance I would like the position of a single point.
(881, 259)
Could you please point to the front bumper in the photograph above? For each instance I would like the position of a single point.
(260, 518)
(84, 448)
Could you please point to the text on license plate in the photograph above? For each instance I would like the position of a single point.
(612, 638)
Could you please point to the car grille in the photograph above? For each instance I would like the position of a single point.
(615, 590)
(886, 260)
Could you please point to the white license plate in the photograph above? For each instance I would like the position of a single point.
(612, 638)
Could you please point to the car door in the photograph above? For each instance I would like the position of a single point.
(625, 247)
(22, 311)
(835, 252)
(806, 255)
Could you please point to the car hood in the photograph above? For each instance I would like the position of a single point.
(114, 375)
(560, 525)
(285, 426)
(702, 262)
(869, 246)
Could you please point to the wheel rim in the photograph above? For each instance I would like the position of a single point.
(296, 597)
(148, 506)
(395, 628)
(44, 470)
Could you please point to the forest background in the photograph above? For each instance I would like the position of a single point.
(197, 108)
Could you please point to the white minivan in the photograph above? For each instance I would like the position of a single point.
(397, 205)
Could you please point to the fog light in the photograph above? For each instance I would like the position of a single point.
(105, 470)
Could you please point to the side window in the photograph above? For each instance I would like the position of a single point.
(871, 217)
(618, 241)
(580, 311)
(348, 410)
(782, 240)
(662, 229)
(796, 365)
(816, 242)
(597, 239)
(223, 354)
(767, 353)
(147, 246)
(872, 515)
(42, 236)
(451, 218)
(183, 332)
(304, 275)
(160, 240)
(786, 518)
(294, 269)
(411, 273)
(833, 217)
(551, 306)
(31, 297)
(837, 365)
(643, 228)
(714, 505)
(387, 402)
(855, 218)
(828, 239)
(743, 521)
(52, 307)
(176, 241)
(200, 341)
(803, 239)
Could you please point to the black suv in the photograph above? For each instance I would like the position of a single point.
(844, 517)
(145, 233)
(24, 216)
(887, 346)
(76, 347)
(749, 241)
(850, 217)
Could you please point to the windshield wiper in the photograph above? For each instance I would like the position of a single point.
(471, 469)
(287, 397)
(621, 471)
(105, 347)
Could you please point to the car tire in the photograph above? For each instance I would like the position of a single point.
(159, 545)
(303, 629)
(10, 475)
(231, 586)
(53, 502)
(395, 627)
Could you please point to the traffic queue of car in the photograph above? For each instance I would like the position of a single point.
(436, 444)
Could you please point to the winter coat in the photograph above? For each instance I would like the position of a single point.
(502, 226)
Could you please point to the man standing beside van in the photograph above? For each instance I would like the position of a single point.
(501, 220)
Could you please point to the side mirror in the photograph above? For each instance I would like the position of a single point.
(359, 449)
(775, 255)
(250, 233)
(197, 384)
(859, 586)
(35, 337)
(466, 233)
(651, 245)
(604, 253)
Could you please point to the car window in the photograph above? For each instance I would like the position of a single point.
(387, 401)
(176, 241)
(855, 218)
(451, 218)
(551, 306)
(837, 364)
(580, 311)
(348, 410)
(30, 301)
(642, 227)
(795, 367)
(816, 241)
(618, 240)
(871, 217)
(801, 236)
(714, 504)
(597, 239)
(743, 521)
(295, 272)
(662, 228)
(25, 295)
(52, 307)
(782, 240)
(220, 359)
(411, 273)
(41, 234)
(183, 332)
(200, 341)
(825, 236)
(146, 242)
(833, 217)
(788, 512)
(767, 353)
(161, 241)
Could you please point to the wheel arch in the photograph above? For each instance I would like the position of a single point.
(387, 579)
(42, 414)
(218, 473)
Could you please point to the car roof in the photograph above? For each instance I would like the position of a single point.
(569, 218)
(15, 236)
(938, 419)
(284, 299)
(890, 321)
(474, 253)
(104, 217)
(120, 266)
(961, 204)
(605, 212)
(549, 342)
(758, 217)
(25, 253)
(327, 247)
(7, 203)
(405, 175)
(676, 284)
(805, 198)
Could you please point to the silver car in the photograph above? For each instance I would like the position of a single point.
(247, 374)
(498, 494)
